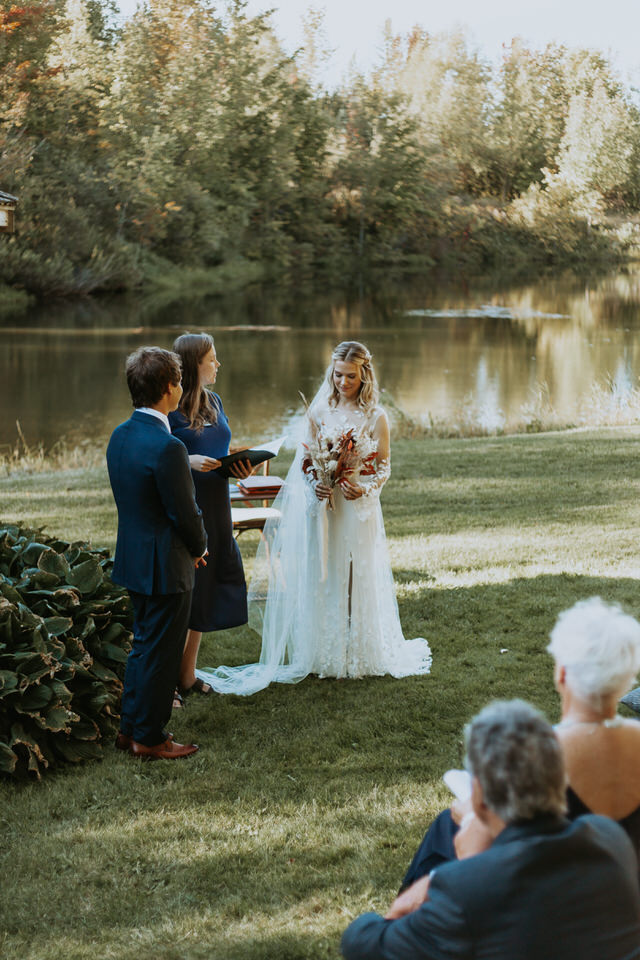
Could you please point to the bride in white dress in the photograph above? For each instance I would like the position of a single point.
(323, 587)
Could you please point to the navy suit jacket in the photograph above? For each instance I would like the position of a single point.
(546, 889)
(160, 529)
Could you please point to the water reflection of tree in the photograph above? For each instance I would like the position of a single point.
(61, 370)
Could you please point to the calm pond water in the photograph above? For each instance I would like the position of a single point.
(442, 347)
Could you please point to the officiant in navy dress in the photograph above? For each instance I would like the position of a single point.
(220, 591)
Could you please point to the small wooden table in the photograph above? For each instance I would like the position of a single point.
(252, 516)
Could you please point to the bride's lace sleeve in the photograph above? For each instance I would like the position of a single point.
(372, 484)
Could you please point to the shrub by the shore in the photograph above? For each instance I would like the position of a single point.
(64, 639)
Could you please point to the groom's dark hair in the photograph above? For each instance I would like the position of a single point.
(150, 371)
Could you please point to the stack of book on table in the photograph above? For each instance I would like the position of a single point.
(260, 487)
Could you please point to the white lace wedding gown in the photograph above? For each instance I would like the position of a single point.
(323, 587)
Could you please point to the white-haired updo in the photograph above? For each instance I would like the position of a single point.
(598, 644)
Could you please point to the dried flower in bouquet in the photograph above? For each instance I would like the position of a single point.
(336, 454)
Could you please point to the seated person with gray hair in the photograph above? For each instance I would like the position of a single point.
(546, 888)
(596, 651)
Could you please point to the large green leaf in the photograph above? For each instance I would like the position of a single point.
(55, 718)
(85, 729)
(35, 579)
(60, 690)
(75, 649)
(99, 699)
(29, 555)
(54, 563)
(77, 750)
(57, 625)
(111, 652)
(34, 665)
(8, 758)
(86, 576)
(8, 681)
(59, 545)
(9, 531)
(88, 627)
(23, 742)
(65, 598)
(103, 673)
(9, 592)
(34, 698)
(112, 632)
(27, 618)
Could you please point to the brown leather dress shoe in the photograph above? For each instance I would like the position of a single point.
(169, 750)
(123, 741)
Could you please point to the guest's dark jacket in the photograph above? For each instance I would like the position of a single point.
(546, 889)
(160, 529)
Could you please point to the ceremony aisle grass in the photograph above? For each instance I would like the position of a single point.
(305, 803)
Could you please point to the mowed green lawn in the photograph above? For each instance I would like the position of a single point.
(306, 802)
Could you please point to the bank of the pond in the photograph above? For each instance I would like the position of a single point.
(305, 802)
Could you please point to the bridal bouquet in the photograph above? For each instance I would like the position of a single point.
(339, 454)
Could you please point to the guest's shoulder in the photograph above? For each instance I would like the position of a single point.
(595, 823)
(609, 837)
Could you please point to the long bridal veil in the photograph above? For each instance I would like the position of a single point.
(284, 560)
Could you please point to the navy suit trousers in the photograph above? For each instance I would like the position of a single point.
(159, 631)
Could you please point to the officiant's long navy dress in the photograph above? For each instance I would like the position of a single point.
(220, 591)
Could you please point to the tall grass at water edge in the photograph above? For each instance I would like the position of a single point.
(24, 457)
(305, 802)
(603, 405)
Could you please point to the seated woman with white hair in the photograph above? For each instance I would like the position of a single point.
(596, 650)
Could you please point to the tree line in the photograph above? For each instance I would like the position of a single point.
(184, 138)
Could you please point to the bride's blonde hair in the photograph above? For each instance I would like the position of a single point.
(350, 351)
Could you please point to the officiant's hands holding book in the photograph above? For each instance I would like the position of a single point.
(203, 464)
(241, 469)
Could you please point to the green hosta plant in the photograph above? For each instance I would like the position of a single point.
(65, 632)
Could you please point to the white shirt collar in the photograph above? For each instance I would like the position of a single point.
(156, 413)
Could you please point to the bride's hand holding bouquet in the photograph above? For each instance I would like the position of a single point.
(351, 491)
(337, 459)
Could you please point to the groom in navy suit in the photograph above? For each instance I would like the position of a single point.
(161, 540)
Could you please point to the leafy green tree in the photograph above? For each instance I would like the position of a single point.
(528, 118)
(446, 86)
(381, 193)
(599, 140)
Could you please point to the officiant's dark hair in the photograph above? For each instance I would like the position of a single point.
(351, 351)
(150, 371)
(196, 404)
